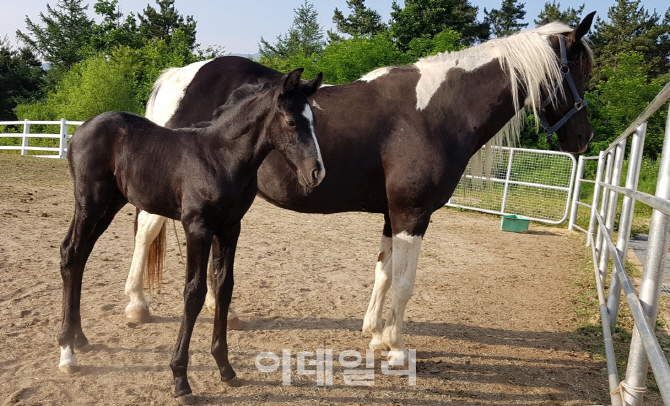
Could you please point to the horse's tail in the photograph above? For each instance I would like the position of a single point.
(164, 77)
(154, 271)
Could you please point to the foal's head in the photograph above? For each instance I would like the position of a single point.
(287, 123)
(564, 112)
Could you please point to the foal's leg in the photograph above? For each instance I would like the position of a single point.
(223, 257)
(372, 322)
(233, 322)
(148, 227)
(198, 243)
(89, 222)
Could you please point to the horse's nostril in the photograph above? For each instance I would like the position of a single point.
(315, 175)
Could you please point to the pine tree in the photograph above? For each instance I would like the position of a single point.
(164, 23)
(552, 12)
(21, 78)
(362, 21)
(305, 36)
(66, 31)
(631, 28)
(506, 20)
(430, 17)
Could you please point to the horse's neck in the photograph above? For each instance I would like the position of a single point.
(243, 144)
(478, 102)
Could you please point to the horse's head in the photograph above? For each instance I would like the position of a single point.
(292, 128)
(564, 112)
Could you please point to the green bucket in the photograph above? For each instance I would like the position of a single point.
(515, 223)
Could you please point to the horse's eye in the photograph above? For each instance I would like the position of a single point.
(290, 122)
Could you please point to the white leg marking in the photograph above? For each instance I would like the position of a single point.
(406, 250)
(68, 360)
(148, 227)
(372, 323)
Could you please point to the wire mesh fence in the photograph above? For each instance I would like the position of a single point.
(533, 183)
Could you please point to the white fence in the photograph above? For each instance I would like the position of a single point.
(26, 135)
(536, 184)
(644, 349)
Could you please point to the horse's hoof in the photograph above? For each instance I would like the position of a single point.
(140, 314)
(187, 399)
(234, 324)
(233, 383)
(398, 359)
(69, 369)
(377, 344)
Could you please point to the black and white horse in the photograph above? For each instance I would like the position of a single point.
(205, 176)
(397, 141)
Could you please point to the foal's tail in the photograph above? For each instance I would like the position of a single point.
(153, 273)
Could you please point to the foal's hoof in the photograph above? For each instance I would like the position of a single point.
(187, 399)
(69, 369)
(233, 383)
(234, 324)
(141, 314)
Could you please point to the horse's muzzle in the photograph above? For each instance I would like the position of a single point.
(311, 173)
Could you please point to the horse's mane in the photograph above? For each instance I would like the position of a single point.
(530, 63)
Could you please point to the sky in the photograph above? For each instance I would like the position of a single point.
(238, 25)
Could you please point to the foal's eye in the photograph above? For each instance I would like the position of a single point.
(289, 122)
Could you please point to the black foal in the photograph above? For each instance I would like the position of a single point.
(205, 177)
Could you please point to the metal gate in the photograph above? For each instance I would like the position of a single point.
(536, 184)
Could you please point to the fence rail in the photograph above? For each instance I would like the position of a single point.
(25, 135)
(645, 350)
(536, 184)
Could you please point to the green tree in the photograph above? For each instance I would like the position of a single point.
(506, 21)
(304, 37)
(164, 23)
(552, 12)
(66, 31)
(617, 101)
(430, 17)
(114, 30)
(631, 29)
(21, 78)
(361, 21)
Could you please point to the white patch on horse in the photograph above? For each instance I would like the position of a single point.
(315, 104)
(67, 357)
(434, 72)
(372, 323)
(369, 77)
(307, 113)
(168, 91)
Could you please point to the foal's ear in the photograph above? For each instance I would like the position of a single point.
(292, 80)
(583, 28)
(311, 86)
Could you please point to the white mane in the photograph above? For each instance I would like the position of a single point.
(529, 61)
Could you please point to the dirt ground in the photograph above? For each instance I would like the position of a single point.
(490, 317)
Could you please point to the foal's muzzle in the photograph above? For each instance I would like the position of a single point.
(311, 173)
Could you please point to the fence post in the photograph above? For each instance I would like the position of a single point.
(626, 221)
(25, 141)
(652, 279)
(597, 189)
(612, 202)
(600, 238)
(577, 191)
(507, 176)
(63, 139)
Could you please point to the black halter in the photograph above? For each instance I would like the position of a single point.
(579, 103)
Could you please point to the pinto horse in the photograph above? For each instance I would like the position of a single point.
(398, 140)
(205, 176)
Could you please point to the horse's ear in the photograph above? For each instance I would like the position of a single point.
(292, 80)
(310, 87)
(583, 27)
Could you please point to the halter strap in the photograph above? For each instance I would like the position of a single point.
(579, 102)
